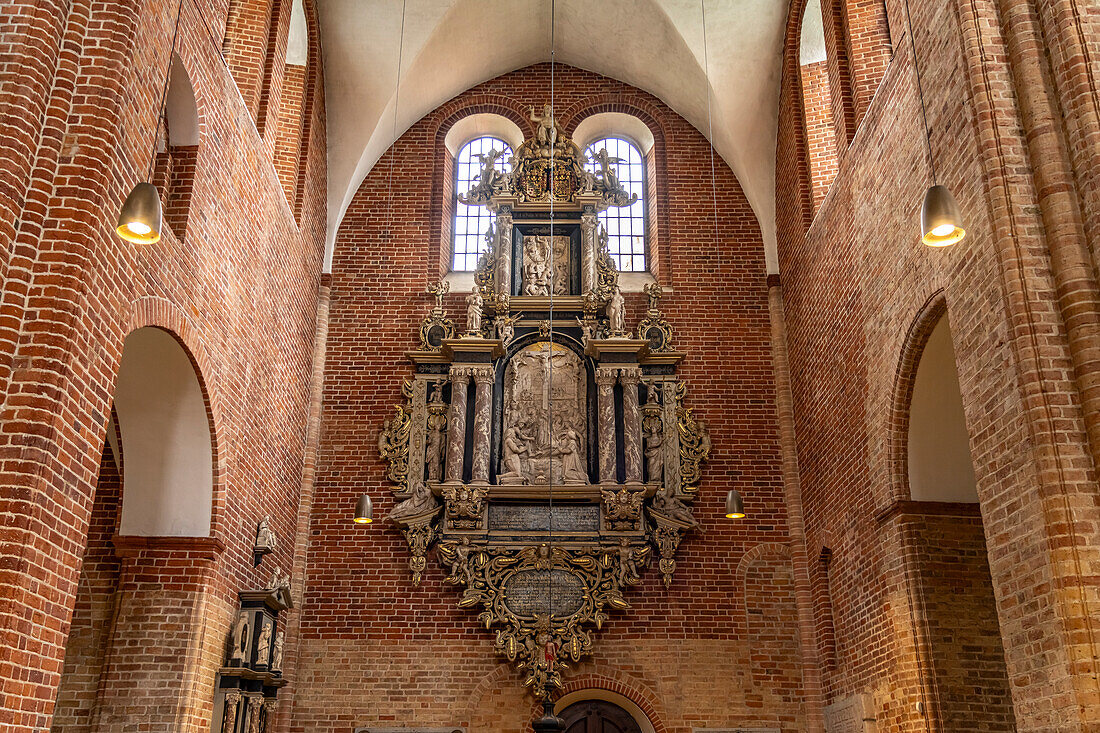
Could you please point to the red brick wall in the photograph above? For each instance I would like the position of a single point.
(376, 650)
(967, 657)
(241, 295)
(855, 280)
(820, 140)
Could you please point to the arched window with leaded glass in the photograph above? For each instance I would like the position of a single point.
(471, 222)
(626, 225)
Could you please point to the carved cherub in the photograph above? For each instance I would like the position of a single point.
(629, 560)
(439, 290)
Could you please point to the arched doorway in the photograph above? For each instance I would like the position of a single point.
(598, 716)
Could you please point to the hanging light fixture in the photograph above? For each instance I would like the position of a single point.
(141, 219)
(364, 510)
(940, 220)
(735, 505)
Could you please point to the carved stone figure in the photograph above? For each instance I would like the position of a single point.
(435, 445)
(474, 305)
(421, 501)
(666, 503)
(265, 538)
(515, 446)
(277, 657)
(279, 581)
(629, 558)
(607, 171)
(538, 376)
(616, 312)
(506, 328)
(536, 267)
(572, 464)
(654, 453)
(588, 329)
(546, 133)
(263, 646)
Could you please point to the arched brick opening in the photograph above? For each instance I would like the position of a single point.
(143, 581)
(249, 45)
(301, 85)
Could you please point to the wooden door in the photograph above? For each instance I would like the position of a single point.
(597, 716)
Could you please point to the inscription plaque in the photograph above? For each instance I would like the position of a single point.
(536, 518)
(528, 593)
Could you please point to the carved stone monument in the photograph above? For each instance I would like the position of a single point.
(551, 465)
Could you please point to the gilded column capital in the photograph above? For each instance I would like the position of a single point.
(482, 374)
(606, 376)
(630, 376)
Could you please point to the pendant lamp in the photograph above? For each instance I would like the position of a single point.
(141, 219)
(940, 220)
(364, 510)
(735, 505)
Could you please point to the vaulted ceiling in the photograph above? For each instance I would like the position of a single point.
(452, 45)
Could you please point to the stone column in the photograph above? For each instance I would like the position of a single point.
(588, 249)
(632, 423)
(456, 424)
(605, 422)
(671, 422)
(504, 250)
(483, 403)
(418, 432)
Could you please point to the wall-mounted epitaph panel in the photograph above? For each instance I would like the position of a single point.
(548, 455)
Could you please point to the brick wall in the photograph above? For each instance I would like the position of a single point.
(820, 138)
(856, 281)
(240, 294)
(375, 649)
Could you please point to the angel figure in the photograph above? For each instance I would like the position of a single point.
(489, 176)
(607, 171)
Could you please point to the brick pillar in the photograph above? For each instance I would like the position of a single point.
(1042, 535)
(305, 502)
(796, 528)
(456, 424)
(605, 425)
(483, 404)
(632, 423)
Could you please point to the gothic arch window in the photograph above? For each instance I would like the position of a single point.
(471, 222)
(626, 226)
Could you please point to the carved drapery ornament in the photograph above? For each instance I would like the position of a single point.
(551, 464)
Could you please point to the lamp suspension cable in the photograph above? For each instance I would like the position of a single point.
(393, 132)
(920, 94)
(710, 120)
(550, 348)
(141, 217)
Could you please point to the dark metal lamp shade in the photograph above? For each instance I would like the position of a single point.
(141, 219)
(940, 220)
(735, 506)
(364, 510)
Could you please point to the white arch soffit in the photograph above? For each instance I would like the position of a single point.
(297, 43)
(483, 124)
(607, 696)
(940, 466)
(614, 124)
(180, 107)
(167, 456)
(452, 45)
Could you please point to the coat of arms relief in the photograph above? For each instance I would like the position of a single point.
(546, 454)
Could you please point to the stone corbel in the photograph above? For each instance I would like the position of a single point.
(667, 533)
(419, 533)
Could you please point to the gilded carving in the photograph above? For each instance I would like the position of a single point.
(464, 505)
(622, 508)
(436, 327)
(419, 534)
(694, 443)
(393, 442)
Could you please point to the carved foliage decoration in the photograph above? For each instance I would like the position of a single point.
(694, 443)
(516, 588)
(654, 328)
(393, 442)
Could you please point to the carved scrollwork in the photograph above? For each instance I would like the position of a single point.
(607, 275)
(667, 533)
(419, 534)
(393, 442)
(436, 327)
(542, 600)
(694, 443)
(464, 505)
(622, 509)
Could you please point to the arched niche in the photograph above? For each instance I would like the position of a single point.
(167, 447)
(297, 44)
(482, 124)
(579, 696)
(180, 108)
(614, 124)
(940, 467)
